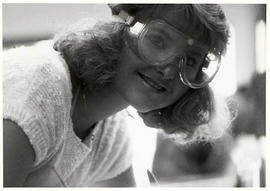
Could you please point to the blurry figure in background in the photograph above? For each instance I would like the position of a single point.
(252, 107)
(65, 100)
(187, 164)
(173, 163)
(249, 132)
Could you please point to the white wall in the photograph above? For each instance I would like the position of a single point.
(42, 20)
(244, 18)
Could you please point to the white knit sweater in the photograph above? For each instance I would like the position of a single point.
(37, 96)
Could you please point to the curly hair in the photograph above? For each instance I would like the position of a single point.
(199, 116)
(210, 22)
(91, 50)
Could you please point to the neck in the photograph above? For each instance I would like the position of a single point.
(102, 103)
(91, 107)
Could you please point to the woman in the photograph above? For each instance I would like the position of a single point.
(63, 118)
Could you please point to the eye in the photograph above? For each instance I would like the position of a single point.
(157, 41)
(192, 62)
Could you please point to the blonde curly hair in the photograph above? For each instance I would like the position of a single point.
(199, 116)
(91, 49)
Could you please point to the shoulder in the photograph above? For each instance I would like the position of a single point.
(32, 59)
(37, 95)
(29, 68)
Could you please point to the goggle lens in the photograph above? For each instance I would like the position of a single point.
(159, 43)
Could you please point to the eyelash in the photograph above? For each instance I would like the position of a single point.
(156, 40)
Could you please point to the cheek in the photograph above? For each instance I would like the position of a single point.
(128, 62)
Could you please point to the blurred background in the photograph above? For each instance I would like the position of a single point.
(236, 160)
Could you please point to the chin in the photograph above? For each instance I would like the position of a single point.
(142, 109)
(149, 119)
(146, 108)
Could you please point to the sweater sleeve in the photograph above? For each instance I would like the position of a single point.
(35, 96)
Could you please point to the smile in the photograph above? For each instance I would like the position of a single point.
(152, 83)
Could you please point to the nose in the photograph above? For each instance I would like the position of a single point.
(168, 71)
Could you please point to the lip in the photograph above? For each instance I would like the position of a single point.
(155, 84)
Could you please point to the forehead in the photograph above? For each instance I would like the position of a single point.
(179, 17)
(174, 15)
(173, 36)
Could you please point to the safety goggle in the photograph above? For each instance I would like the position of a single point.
(159, 43)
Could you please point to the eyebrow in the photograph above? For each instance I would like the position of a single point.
(192, 50)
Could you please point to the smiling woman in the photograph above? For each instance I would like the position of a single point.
(65, 99)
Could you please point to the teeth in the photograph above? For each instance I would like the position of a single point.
(153, 84)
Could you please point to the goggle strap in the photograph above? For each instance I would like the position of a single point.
(126, 17)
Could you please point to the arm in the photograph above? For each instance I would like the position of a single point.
(125, 179)
(18, 155)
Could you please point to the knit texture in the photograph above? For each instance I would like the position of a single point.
(37, 95)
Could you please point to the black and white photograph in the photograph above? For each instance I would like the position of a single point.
(95, 96)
